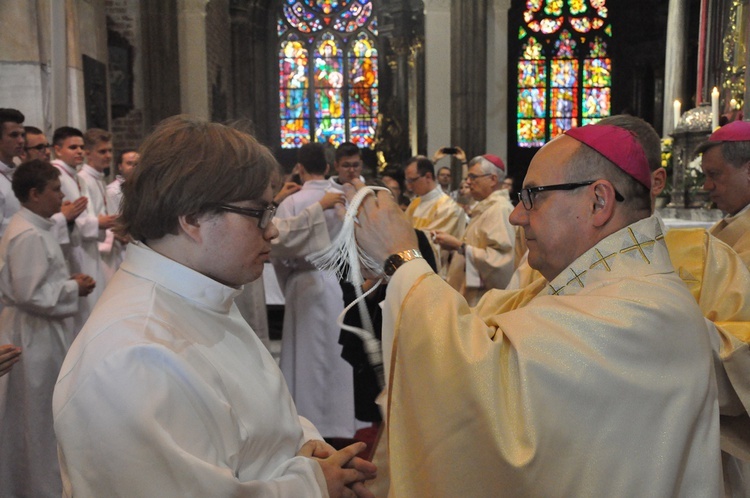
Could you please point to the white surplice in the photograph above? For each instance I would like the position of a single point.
(38, 294)
(602, 386)
(80, 240)
(168, 392)
(9, 205)
(110, 249)
(320, 380)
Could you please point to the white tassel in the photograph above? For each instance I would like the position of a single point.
(344, 257)
(346, 260)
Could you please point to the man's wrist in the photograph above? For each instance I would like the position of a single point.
(394, 261)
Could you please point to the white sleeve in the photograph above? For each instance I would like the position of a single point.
(145, 424)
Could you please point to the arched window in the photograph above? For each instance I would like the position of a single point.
(564, 72)
(328, 72)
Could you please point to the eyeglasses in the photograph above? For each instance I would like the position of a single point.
(264, 215)
(526, 196)
(412, 180)
(472, 176)
(38, 148)
(350, 165)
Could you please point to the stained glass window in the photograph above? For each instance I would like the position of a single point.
(328, 72)
(564, 71)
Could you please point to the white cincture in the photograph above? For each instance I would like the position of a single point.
(347, 260)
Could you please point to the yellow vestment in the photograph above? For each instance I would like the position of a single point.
(602, 385)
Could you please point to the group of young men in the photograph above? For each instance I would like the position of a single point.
(57, 253)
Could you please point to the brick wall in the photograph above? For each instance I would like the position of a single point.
(123, 17)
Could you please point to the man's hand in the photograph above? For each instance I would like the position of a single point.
(71, 210)
(345, 473)
(445, 240)
(85, 283)
(383, 228)
(9, 355)
(286, 190)
(107, 221)
(330, 199)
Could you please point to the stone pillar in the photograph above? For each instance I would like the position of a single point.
(674, 66)
(437, 74)
(469, 76)
(191, 36)
(497, 76)
(24, 53)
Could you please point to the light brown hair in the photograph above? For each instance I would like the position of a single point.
(187, 166)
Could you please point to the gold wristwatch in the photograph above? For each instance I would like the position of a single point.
(395, 260)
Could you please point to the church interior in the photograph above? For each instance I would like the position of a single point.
(397, 77)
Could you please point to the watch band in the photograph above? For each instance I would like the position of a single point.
(394, 261)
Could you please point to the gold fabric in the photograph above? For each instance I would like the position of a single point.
(489, 239)
(735, 231)
(604, 389)
(437, 211)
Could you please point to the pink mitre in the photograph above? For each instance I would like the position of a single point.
(618, 145)
(736, 131)
(495, 160)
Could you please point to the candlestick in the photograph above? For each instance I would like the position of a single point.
(714, 108)
(677, 112)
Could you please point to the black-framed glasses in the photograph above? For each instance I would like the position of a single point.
(264, 215)
(38, 148)
(473, 177)
(526, 195)
(412, 180)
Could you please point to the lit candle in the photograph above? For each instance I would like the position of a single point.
(714, 108)
(677, 112)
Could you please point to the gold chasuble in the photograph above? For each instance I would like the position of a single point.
(601, 385)
(735, 231)
(437, 211)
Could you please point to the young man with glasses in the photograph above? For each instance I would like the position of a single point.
(167, 391)
(37, 146)
(483, 259)
(432, 210)
(601, 385)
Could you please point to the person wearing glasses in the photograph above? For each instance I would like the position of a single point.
(432, 210)
(601, 385)
(483, 259)
(167, 391)
(319, 379)
(37, 146)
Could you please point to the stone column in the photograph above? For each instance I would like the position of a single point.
(469, 76)
(437, 74)
(497, 76)
(191, 26)
(674, 66)
(24, 57)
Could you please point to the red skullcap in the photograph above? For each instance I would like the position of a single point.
(495, 160)
(736, 131)
(619, 146)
